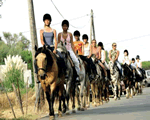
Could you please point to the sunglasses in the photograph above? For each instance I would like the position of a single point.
(114, 45)
(93, 42)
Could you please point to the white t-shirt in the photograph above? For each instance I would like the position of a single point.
(126, 60)
(87, 50)
(139, 64)
(102, 54)
(133, 65)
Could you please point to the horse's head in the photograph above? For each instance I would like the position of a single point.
(93, 57)
(126, 69)
(62, 49)
(111, 67)
(43, 59)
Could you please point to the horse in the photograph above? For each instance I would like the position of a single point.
(82, 89)
(137, 82)
(70, 81)
(115, 79)
(49, 77)
(128, 80)
(97, 85)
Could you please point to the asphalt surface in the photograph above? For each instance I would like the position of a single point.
(136, 108)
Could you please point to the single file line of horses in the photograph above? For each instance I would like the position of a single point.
(80, 66)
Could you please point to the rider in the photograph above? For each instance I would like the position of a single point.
(102, 57)
(126, 58)
(48, 38)
(93, 51)
(78, 45)
(134, 66)
(67, 38)
(113, 56)
(139, 65)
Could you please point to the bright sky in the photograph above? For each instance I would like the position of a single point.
(115, 20)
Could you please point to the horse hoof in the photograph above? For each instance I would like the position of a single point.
(101, 103)
(78, 108)
(82, 109)
(59, 113)
(51, 117)
(88, 106)
(73, 111)
(64, 111)
(119, 98)
(67, 113)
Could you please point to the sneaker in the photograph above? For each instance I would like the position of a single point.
(77, 79)
(106, 79)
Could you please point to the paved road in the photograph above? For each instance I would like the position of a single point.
(137, 108)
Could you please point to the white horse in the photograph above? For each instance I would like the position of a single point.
(115, 79)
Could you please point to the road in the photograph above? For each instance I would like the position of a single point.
(136, 108)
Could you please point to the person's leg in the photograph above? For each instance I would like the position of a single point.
(119, 66)
(103, 68)
(75, 61)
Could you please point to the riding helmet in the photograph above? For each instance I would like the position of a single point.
(126, 52)
(85, 36)
(137, 57)
(65, 22)
(47, 16)
(76, 33)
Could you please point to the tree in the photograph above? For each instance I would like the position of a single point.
(16, 41)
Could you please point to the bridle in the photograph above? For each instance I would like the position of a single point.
(45, 70)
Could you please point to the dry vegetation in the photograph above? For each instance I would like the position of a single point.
(6, 113)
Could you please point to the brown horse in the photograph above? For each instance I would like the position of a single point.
(48, 70)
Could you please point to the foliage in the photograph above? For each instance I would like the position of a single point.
(16, 41)
(11, 77)
(4, 49)
(146, 65)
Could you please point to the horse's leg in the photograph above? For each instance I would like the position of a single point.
(104, 90)
(67, 96)
(52, 88)
(119, 87)
(88, 96)
(100, 93)
(82, 95)
(93, 93)
(115, 90)
(48, 100)
(73, 97)
(107, 88)
(77, 96)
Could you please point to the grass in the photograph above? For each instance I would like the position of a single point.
(146, 65)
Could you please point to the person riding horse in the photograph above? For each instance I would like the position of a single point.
(102, 57)
(83, 51)
(67, 39)
(48, 37)
(139, 66)
(113, 56)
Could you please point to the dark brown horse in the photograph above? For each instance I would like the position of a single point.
(48, 71)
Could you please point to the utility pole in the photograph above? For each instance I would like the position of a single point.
(34, 42)
(33, 37)
(92, 29)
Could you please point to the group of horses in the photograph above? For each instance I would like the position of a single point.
(54, 83)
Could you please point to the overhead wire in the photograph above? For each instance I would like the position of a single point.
(64, 17)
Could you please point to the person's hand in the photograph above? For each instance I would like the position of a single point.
(54, 51)
(103, 61)
(88, 56)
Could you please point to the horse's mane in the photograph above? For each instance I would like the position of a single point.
(47, 53)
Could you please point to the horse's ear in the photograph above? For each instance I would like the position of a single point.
(35, 48)
(44, 47)
(61, 43)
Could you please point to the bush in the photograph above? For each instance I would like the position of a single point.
(11, 77)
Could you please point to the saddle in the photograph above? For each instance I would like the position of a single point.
(70, 59)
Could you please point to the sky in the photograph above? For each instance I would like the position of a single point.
(126, 22)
